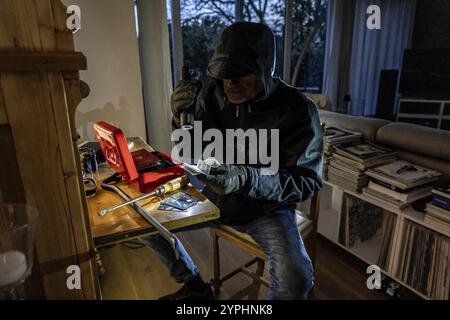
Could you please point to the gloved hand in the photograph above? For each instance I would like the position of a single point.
(182, 98)
(226, 179)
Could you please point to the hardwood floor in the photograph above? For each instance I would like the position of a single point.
(139, 274)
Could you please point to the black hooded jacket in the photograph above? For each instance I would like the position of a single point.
(245, 48)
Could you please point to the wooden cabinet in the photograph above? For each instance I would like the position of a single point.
(39, 91)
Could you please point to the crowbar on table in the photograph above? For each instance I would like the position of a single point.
(166, 234)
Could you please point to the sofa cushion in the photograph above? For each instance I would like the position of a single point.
(367, 126)
(418, 139)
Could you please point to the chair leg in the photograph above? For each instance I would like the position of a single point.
(314, 211)
(256, 285)
(217, 283)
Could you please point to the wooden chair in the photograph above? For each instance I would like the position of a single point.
(308, 231)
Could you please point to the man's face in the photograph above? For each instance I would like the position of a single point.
(242, 89)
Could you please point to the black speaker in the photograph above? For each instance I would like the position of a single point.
(387, 90)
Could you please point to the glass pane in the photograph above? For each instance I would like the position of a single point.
(309, 16)
(202, 22)
(270, 12)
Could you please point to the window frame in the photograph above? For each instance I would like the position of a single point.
(177, 38)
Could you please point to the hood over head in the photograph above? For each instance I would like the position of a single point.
(244, 48)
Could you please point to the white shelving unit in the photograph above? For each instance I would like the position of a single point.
(329, 225)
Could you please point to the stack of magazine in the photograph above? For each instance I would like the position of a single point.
(351, 159)
(400, 183)
(333, 136)
(438, 211)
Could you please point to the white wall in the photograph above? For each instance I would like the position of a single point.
(108, 39)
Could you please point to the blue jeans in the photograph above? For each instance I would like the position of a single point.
(290, 269)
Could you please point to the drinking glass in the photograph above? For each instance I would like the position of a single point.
(17, 230)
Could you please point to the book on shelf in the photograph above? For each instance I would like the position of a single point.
(343, 182)
(403, 174)
(437, 212)
(358, 165)
(442, 191)
(405, 251)
(397, 189)
(441, 202)
(363, 152)
(349, 161)
(405, 197)
(384, 199)
(334, 135)
(415, 257)
(428, 249)
(346, 168)
(386, 248)
(346, 176)
(434, 253)
(441, 198)
(437, 223)
(424, 261)
(360, 179)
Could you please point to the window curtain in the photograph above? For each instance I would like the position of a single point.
(340, 18)
(375, 50)
(154, 48)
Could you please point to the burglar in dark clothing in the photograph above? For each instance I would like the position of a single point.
(242, 93)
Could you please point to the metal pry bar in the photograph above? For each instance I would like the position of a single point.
(166, 234)
(104, 212)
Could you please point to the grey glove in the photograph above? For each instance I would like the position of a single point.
(227, 179)
(182, 98)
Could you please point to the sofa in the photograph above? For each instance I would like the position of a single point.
(418, 144)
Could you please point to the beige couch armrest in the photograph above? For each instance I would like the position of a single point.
(321, 100)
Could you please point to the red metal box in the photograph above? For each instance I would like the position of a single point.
(143, 169)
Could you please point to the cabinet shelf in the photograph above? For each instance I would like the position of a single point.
(384, 271)
(366, 198)
(408, 213)
(367, 251)
(418, 217)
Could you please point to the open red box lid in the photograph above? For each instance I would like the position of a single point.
(142, 167)
(115, 149)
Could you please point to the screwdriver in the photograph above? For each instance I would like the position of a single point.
(169, 186)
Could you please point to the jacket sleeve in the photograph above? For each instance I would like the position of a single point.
(300, 181)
